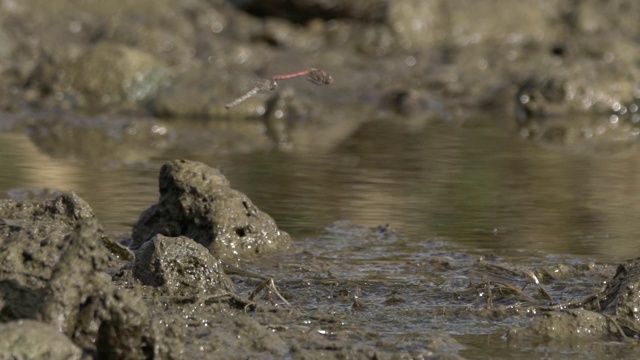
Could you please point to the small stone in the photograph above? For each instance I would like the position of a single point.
(180, 266)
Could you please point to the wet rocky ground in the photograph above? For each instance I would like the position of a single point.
(204, 272)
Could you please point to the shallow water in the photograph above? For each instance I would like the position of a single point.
(450, 196)
(482, 188)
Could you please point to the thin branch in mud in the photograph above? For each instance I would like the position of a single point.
(623, 335)
(541, 288)
(497, 271)
(489, 295)
(357, 304)
(316, 76)
(239, 302)
(498, 286)
(270, 285)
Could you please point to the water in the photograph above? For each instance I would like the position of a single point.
(481, 188)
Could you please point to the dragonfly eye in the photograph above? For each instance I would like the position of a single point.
(319, 77)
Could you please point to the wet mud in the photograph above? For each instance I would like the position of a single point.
(180, 298)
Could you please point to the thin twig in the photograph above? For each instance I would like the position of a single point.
(541, 288)
(272, 286)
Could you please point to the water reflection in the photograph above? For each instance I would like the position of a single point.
(480, 187)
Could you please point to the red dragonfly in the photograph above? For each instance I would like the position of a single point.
(314, 75)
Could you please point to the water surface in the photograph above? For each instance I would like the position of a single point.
(479, 187)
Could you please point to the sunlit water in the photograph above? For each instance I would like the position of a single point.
(482, 188)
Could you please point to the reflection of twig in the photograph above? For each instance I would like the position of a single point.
(314, 75)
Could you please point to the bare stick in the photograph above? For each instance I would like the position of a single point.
(269, 284)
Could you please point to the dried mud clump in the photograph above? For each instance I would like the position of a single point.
(53, 273)
(180, 266)
(197, 202)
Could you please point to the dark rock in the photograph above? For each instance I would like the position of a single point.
(180, 266)
(197, 202)
(54, 271)
(28, 339)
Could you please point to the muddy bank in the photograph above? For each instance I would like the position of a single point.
(184, 293)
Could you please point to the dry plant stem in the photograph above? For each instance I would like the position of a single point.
(489, 296)
(357, 304)
(497, 285)
(541, 288)
(270, 284)
(316, 76)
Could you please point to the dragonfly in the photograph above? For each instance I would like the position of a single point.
(314, 75)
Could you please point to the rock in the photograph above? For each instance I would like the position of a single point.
(28, 339)
(105, 74)
(54, 271)
(180, 266)
(112, 73)
(197, 202)
(35, 234)
(72, 298)
(82, 302)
